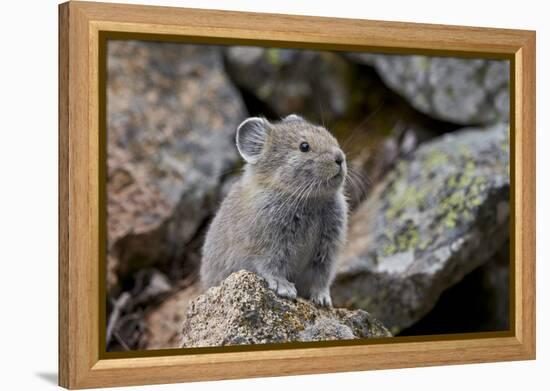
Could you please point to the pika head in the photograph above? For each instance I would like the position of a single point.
(292, 155)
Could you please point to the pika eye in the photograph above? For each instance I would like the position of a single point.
(304, 147)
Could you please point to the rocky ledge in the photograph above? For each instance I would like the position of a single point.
(437, 216)
(243, 311)
(459, 90)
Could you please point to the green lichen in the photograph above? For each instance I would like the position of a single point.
(408, 240)
(389, 249)
(424, 244)
(273, 56)
(462, 193)
(465, 151)
(265, 90)
(424, 63)
(405, 239)
(399, 201)
(450, 219)
(363, 301)
(454, 203)
(435, 160)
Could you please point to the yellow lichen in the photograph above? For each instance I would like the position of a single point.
(436, 159)
(273, 56)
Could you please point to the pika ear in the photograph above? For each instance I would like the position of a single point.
(292, 117)
(251, 137)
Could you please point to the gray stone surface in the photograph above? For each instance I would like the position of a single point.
(242, 310)
(316, 85)
(479, 302)
(434, 218)
(171, 120)
(464, 91)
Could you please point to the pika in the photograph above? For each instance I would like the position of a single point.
(286, 217)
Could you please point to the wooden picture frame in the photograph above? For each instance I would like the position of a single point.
(83, 26)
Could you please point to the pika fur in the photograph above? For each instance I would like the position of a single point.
(286, 217)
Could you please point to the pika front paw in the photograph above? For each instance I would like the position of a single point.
(282, 287)
(321, 298)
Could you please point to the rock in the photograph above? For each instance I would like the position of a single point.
(242, 310)
(479, 302)
(463, 91)
(373, 152)
(126, 327)
(382, 128)
(150, 285)
(495, 285)
(163, 323)
(433, 219)
(171, 120)
(317, 85)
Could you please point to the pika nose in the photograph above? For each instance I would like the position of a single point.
(339, 158)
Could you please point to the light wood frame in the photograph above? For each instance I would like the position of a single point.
(82, 365)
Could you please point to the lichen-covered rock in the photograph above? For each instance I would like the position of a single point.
(434, 218)
(242, 310)
(464, 91)
(171, 120)
(317, 85)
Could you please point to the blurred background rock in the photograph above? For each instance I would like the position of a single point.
(428, 147)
